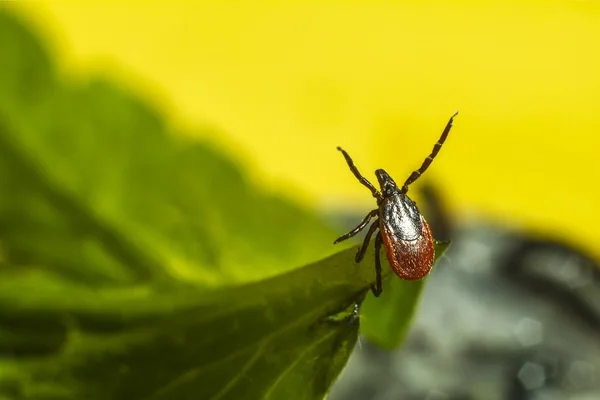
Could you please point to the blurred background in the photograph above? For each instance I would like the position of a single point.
(513, 310)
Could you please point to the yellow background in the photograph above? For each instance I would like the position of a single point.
(284, 83)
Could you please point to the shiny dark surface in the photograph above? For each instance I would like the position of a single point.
(401, 217)
(406, 236)
(387, 184)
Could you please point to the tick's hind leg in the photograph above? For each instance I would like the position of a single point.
(363, 248)
(378, 287)
(359, 228)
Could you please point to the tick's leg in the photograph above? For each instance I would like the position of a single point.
(361, 178)
(363, 248)
(378, 287)
(359, 227)
(436, 148)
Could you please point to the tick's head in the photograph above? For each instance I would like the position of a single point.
(386, 183)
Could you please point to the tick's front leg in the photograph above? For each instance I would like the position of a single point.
(362, 250)
(361, 178)
(359, 228)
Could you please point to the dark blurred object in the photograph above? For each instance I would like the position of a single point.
(433, 208)
(504, 316)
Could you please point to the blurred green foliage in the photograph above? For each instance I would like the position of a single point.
(137, 263)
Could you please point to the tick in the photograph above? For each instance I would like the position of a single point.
(402, 229)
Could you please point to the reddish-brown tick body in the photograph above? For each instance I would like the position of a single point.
(406, 237)
(402, 229)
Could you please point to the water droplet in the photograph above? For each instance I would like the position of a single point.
(529, 332)
(349, 314)
(581, 374)
(532, 376)
(572, 274)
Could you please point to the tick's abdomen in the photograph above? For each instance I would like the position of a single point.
(406, 237)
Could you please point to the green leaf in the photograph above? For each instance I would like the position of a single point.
(136, 263)
(114, 166)
(279, 338)
(386, 319)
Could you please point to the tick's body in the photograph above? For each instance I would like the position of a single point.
(402, 229)
(406, 237)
